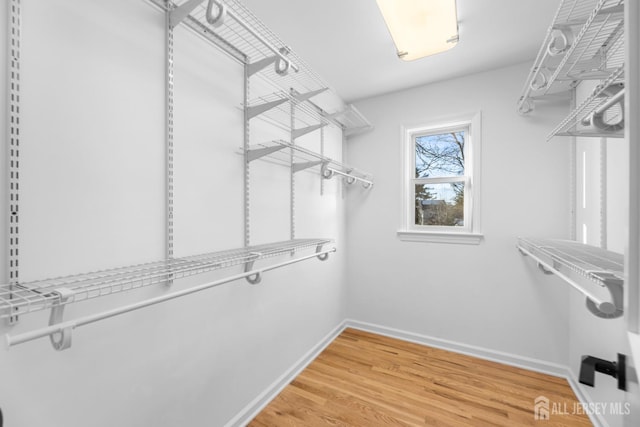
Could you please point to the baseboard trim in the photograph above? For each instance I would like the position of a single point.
(250, 411)
(470, 350)
(596, 419)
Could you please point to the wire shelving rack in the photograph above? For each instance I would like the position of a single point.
(268, 57)
(595, 272)
(585, 41)
(600, 115)
(45, 294)
(300, 158)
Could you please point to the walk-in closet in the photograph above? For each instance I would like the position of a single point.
(256, 213)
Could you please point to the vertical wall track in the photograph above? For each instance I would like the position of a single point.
(169, 135)
(14, 144)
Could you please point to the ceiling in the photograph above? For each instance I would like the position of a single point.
(348, 44)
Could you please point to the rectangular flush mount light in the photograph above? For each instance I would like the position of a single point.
(421, 27)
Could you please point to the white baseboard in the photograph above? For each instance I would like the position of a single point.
(250, 411)
(470, 350)
(259, 403)
(596, 419)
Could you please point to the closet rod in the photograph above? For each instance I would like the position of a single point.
(615, 99)
(350, 178)
(12, 340)
(598, 300)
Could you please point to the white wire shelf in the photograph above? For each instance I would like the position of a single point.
(21, 298)
(353, 121)
(596, 272)
(600, 115)
(248, 39)
(300, 158)
(278, 111)
(584, 42)
(350, 120)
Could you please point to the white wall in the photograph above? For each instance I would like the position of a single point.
(487, 295)
(92, 197)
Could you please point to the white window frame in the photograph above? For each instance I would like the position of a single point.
(470, 232)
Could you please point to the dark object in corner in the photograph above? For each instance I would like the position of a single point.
(0, 417)
(590, 365)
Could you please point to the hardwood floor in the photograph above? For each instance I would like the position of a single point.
(363, 379)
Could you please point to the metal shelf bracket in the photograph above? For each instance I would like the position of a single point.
(177, 15)
(256, 153)
(308, 95)
(256, 110)
(260, 65)
(297, 133)
(60, 340)
(282, 66)
(297, 167)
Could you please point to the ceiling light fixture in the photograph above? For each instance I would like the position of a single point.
(421, 28)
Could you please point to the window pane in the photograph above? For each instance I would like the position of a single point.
(440, 155)
(440, 204)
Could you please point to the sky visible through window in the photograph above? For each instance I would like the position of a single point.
(440, 156)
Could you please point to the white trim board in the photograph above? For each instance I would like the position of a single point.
(263, 399)
(254, 407)
(596, 419)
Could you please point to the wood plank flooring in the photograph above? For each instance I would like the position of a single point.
(364, 379)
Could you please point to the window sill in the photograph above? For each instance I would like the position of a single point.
(440, 237)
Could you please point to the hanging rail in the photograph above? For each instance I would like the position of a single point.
(64, 328)
(328, 172)
(595, 272)
(300, 158)
(43, 294)
(585, 41)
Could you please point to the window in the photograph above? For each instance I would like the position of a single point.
(441, 182)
